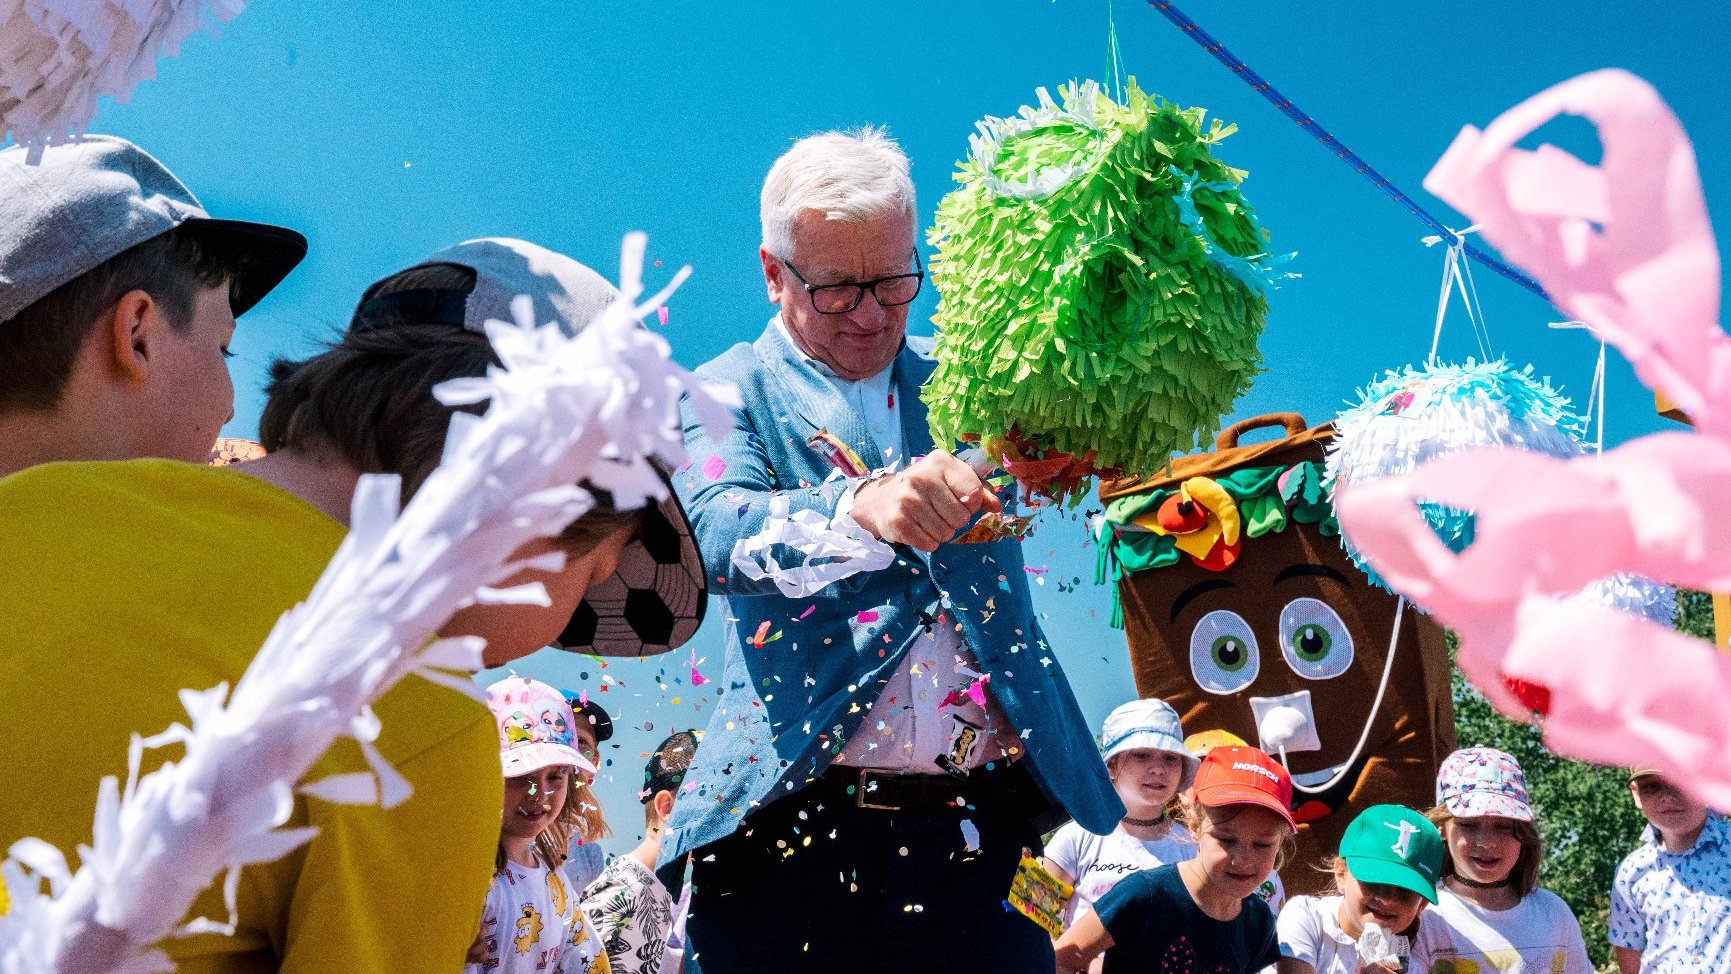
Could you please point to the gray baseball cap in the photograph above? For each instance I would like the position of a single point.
(91, 199)
(560, 289)
(655, 600)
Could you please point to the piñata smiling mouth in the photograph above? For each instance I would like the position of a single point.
(1309, 806)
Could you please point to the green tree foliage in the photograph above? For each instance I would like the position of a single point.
(1585, 814)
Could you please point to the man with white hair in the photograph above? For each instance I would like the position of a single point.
(886, 745)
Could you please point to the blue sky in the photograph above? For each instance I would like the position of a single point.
(389, 129)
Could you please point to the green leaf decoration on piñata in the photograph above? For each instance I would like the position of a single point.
(1101, 282)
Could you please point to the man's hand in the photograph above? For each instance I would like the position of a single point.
(924, 505)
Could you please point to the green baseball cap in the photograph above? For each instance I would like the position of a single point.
(1395, 846)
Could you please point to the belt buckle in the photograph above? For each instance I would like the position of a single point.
(861, 790)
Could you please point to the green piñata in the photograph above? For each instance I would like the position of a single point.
(1101, 283)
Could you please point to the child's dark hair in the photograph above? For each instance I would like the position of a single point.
(368, 398)
(1200, 818)
(1524, 877)
(666, 768)
(40, 344)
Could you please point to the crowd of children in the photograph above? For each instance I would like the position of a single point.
(537, 916)
(1175, 888)
(1449, 891)
(118, 304)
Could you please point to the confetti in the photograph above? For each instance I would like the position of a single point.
(975, 691)
(970, 835)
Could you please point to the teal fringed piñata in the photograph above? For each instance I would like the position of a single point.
(1416, 414)
(1101, 282)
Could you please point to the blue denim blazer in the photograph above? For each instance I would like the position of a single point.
(787, 707)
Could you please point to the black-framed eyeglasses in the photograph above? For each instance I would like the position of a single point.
(838, 299)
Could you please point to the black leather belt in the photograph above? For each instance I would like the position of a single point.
(893, 791)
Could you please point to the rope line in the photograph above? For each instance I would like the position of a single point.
(1195, 32)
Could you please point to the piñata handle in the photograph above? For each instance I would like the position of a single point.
(1228, 438)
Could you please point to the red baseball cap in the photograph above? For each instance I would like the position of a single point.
(1245, 776)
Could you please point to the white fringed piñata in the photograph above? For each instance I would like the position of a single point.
(57, 57)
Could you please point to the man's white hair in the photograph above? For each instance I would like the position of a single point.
(852, 176)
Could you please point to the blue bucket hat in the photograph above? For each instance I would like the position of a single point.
(1150, 724)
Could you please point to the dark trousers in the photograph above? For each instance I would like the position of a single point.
(812, 882)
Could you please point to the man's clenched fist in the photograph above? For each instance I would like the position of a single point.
(924, 505)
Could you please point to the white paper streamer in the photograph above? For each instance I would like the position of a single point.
(592, 407)
(58, 56)
(830, 550)
(1377, 945)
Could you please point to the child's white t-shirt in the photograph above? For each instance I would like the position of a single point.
(1309, 930)
(531, 923)
(1538, 935)
(1097, 862)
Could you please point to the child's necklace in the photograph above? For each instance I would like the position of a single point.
(1475, 884)
(1144, 823)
